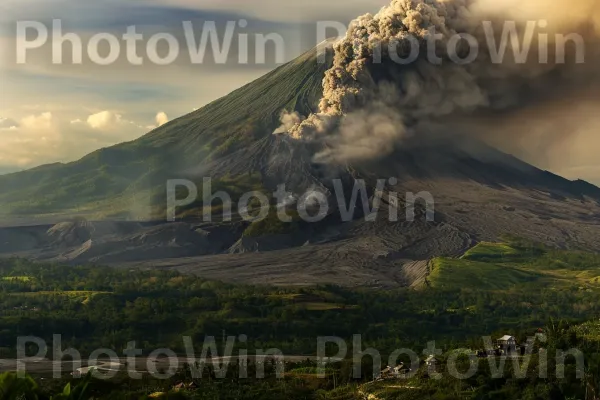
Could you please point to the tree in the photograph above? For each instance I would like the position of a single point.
(12, 387)
(79, 392)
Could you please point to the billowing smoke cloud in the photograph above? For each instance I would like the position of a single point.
(288, 121)
(421, 61)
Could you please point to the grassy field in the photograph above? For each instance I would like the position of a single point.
(491, 251)
(16, 278)
(314, 302)
(82, 296)
(459, 273)
(517, 266)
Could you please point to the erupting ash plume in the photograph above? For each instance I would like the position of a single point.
(418, 63)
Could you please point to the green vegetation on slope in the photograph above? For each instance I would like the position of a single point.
(517, 266)
(128, 179)
(490, 251)
(456, 273)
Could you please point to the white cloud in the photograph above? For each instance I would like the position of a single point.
(45, 138)
(44, 121)
(60, 136)
(161, 118)
(35, 135)
(104, 120)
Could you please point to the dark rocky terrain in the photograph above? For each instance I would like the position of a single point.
(475, 200)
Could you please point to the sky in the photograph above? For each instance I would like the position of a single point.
(61, 112)
(57, 113)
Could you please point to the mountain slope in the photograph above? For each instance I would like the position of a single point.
(479, 194)
(115, 181)
(232, 137)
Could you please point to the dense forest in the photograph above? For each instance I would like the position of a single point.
(300, 382)
(95, 307)
(494, 289)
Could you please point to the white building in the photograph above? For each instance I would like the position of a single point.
(507, 343)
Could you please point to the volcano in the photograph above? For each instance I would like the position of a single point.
(480, 193)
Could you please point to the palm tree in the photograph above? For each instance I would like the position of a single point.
(13, 387)
(75, 393)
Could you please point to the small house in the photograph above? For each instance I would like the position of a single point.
(431, 361)
(401, 371)
(507, 343)
(386, 373)
(398, 372)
